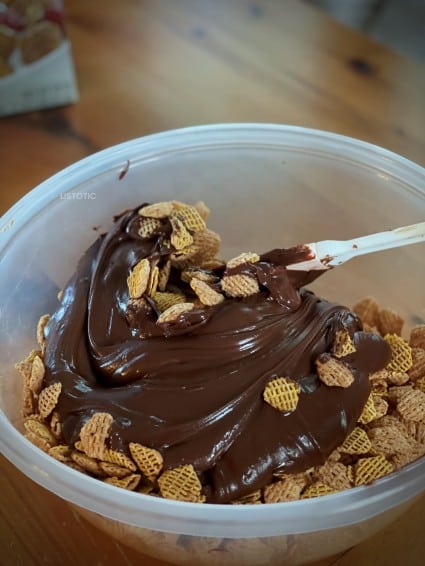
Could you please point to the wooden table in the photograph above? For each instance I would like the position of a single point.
(154, 65)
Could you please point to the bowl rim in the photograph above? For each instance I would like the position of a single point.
(226, 521)
(116, 156)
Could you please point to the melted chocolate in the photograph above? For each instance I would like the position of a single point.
(193, 389)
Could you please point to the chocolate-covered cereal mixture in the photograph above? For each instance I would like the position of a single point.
(166, 370)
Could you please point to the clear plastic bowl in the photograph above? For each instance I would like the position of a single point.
(267, 186)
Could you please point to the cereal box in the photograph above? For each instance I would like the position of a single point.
(36, 69)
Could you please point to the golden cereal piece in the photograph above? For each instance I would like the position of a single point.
(302, 478)
(167, 300)
(28, 402)
(207, 244)
(94, 433)
(37, 428)
(41, 325)
(129, 482)
(157, 210)
(381, 406)
(190, 217)
(401, 460)
(409, 428)
(369, 411)
(137, 281)
(286, 489)
(202, 209)
(335, 455)
(181, 483)
(203, 247)
(38, 441)
(120, 459)
(418, 364)
(239, 285)
(401, 353)
(389, 440)
(149, 227)
(113, 470)
(153, 282)
(382, 374)
(35, 382)
(357, 442)
(206, 294)
(398, 377)
(172, 313)
(350, 473)
(367, 470)
(88, 464)
(62, 453)
(181, 259)
(38, 418)
(246, 257)
(28, 396)
(164, 275)
(396, 392)
(317, 489)
(250, 499)
(389, 322)
(417, 337)
(343, 345)
(48, 399)
(181, 238)
(148, 460)
(379, 387)
(388, 420)
(334, 475)
(25, 366)
(367, 310)
(78, 446)
(416, 430)
(411, 405)
(333, 373)
(282, 394)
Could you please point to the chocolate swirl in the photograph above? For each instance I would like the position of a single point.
(193, 389)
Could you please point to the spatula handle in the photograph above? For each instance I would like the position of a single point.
(330, 253)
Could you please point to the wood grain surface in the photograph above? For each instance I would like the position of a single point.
(147, 66)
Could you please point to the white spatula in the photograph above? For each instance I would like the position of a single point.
(330, 253)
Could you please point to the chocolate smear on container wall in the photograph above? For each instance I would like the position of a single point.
(124, 170)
